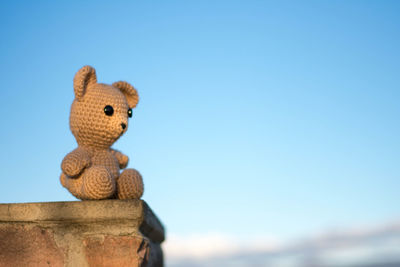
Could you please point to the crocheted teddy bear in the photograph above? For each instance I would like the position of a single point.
(99, 116)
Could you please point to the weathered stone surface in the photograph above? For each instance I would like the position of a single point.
(151, 226)
(156, 257)
(116, 251)
(82, 233)
(28, 246)
(75, 211)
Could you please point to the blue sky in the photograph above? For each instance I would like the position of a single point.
(256, 118)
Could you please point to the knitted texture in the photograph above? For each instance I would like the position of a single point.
(99, 116)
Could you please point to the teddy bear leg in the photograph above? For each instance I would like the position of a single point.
(130, 184)
(97, 183)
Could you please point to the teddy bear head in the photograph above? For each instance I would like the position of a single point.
(100, 112)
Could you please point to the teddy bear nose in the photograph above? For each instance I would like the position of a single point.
(123, 125)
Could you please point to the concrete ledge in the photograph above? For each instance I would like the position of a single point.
(80, 233)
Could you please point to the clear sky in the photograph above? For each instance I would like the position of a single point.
(274, 119)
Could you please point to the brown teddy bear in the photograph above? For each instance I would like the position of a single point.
(99, 116)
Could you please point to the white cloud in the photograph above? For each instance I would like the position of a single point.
(356, 246)
(201, 246)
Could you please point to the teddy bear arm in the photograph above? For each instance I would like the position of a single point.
(75, 162)
(122, 159)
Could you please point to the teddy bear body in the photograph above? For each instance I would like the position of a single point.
(99, 116)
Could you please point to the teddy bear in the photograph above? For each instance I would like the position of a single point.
(99, 116)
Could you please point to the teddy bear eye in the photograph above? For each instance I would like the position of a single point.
(108, 110)
(130, 113)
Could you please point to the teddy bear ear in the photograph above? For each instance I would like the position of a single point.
(83, 78)
(129, 91)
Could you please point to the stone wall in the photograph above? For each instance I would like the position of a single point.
(80, 233)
